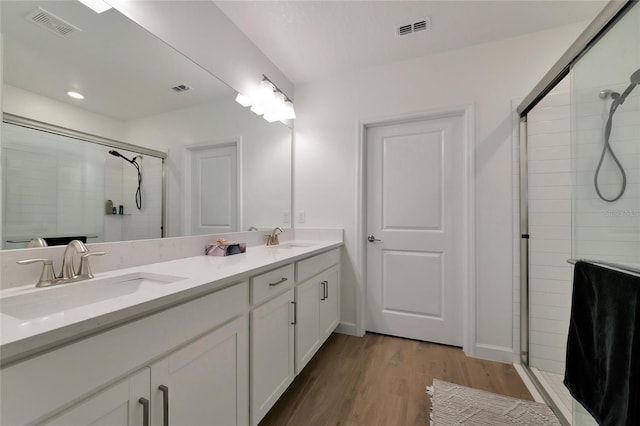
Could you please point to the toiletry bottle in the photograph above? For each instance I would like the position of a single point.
(108, 208)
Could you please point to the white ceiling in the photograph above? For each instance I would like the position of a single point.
(123, 71)
(309, 40)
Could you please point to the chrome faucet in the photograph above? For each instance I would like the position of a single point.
(67, 272)
(272, 240)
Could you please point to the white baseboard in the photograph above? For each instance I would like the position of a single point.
(347, 328)
(496, 353)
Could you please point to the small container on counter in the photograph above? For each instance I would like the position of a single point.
(224, 248)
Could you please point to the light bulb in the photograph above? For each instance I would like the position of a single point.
(76, 95)
(257, 109)
(289, 113)
(270, 117)
(243, 100)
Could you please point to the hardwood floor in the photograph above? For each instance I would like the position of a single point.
(381, 380)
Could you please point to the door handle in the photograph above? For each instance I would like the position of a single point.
(165, 404)
(145, 411)
(372, 238)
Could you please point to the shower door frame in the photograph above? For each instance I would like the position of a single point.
(606, 19)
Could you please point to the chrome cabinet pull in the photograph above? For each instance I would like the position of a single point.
(165, 404)
(326, 289)
(323, 290)
(145, 411)
(277, 282)
(295, 314)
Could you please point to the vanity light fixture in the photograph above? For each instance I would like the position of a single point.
(98, 6)
(268, 101)
(75, 95)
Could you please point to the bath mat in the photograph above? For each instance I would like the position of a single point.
(453, 404)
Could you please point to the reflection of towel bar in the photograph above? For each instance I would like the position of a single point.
(615, 266)
(26, 241)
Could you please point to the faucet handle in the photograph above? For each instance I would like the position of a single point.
(47, 276)
(85, 269)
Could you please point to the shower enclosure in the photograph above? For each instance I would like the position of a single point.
(579, 187)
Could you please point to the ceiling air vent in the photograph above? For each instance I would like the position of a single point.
(181, 88)
(406, 29)
(52, 23)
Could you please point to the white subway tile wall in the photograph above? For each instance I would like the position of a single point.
(608, 231)
(58, 186)
(52, 186)
(549, 184)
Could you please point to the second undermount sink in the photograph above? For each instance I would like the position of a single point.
(47, 301)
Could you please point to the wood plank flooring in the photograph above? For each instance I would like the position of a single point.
(381, 380)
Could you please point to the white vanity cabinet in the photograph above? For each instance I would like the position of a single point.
(272, 339)
(221, 356)
(317, 302)
(202, 353)
(288, 329)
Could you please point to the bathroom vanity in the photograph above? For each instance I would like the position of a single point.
(200, 340)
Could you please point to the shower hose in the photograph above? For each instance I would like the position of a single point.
(605, 148)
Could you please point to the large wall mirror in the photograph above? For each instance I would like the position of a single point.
(225, 170)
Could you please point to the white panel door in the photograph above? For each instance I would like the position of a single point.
(415, 193)
(214, 190)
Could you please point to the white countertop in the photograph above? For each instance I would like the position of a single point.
(39, 331)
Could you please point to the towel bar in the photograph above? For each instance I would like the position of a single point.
(616, 266)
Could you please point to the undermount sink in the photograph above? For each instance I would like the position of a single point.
(47, 301)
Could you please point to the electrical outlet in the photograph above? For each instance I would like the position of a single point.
(286, 217)
(302, 216)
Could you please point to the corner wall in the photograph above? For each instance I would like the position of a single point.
(326, 155)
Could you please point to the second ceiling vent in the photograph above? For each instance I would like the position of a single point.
(420, 25)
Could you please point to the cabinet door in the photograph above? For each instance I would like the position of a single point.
(206, 382)
(308, 295)
(330, 303)
(272, 353)
(117, 405)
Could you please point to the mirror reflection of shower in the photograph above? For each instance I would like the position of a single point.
(617, 100)
(137, 166)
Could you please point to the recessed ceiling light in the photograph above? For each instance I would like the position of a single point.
(76, 95)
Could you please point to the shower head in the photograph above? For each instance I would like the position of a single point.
(635, 80)
(117, 154)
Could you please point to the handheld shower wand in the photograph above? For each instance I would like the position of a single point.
(618, 99)
(137, 166)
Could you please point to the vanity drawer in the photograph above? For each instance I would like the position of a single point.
(271, 283)
(310, 267)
